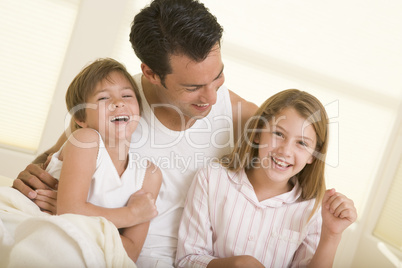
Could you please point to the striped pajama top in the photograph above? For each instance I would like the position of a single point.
(223, 218)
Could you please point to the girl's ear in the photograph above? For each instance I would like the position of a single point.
(311, 159)
(150, 75)
(257, 138)
(81, 123)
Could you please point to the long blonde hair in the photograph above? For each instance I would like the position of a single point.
(311, 178)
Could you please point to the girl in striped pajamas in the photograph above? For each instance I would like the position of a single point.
(266, 204)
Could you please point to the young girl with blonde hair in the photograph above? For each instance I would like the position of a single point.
(260, 206)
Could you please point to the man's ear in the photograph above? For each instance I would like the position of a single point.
(150, 75)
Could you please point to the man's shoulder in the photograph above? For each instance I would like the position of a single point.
(242, 111)
(241, 105)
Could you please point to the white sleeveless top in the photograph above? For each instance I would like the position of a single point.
(179, 154)
(107, 188)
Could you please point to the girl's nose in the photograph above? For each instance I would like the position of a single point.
(116, 104)
(285, 148)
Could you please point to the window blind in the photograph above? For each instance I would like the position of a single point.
(34, 39)
(389, 224)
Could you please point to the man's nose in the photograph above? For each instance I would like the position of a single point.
(209, 94)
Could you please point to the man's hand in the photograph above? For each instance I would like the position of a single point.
(34, 177)
(143, 206)
(46, 200)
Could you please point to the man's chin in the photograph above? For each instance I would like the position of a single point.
(201, 114)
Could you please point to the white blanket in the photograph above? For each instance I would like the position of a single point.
(31, 238)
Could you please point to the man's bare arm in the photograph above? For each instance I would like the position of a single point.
(35, 183)
(242, 111)
(41, 159)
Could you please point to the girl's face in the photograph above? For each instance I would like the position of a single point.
(286, 145)
(112, 109)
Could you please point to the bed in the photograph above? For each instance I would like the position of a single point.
(4, 181)
(30, 237)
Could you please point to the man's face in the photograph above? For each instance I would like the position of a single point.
(192, 86)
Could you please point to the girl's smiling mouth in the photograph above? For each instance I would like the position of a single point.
(121, 118)
(280, 163)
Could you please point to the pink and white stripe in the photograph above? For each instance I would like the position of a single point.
(223, 218)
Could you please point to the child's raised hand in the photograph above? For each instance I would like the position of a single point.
(338, 212)
(142, 205)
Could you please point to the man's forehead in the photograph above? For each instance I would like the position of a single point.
(189, 72)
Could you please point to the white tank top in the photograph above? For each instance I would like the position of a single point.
(179, 154)
(107, 188)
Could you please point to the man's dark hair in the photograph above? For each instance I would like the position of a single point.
(177, 27)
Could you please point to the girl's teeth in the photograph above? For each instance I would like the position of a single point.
(120, 118)
(280, 163)
(202, 105)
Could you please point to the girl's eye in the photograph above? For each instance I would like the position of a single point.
(127, 96)
(302, 143)
(102, 98)
(277, 133)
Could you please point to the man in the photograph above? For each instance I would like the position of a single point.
(189, 117)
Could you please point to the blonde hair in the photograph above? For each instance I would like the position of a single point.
(83, 85)
(311, 178)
